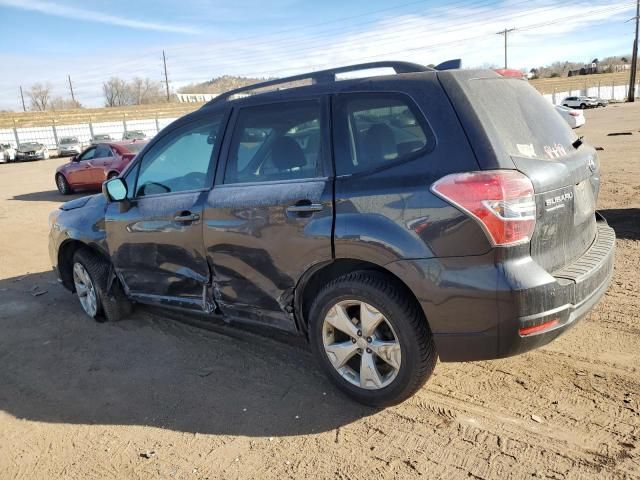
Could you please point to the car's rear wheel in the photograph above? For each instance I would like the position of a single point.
(63, 186)
(91, 281)
(371, 339)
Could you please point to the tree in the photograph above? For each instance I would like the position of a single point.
(144, 91)
(115, 92)
(40, 95)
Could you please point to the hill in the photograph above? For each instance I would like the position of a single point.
(220, 84)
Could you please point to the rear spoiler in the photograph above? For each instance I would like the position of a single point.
(450, 65)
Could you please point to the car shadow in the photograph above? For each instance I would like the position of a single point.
(49, 196)
(625, 222)
(58, 366)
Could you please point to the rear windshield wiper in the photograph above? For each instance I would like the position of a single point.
(578, 142)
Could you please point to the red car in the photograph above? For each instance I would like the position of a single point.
(96, 164)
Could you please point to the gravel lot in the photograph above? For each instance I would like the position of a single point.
(153, 397)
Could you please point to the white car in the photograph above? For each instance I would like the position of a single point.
(580, 102)
(7, 153)
(575, 118)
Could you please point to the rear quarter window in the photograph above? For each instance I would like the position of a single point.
(382, 129)
(518, 118)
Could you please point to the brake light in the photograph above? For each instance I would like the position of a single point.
(509, 72)
(574, 114)
(501, 201)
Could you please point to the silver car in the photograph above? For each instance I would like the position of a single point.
(69, 146)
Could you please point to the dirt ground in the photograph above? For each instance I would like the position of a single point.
(153, 397)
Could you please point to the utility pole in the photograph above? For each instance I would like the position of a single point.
(634, 58)
(166, 77)
(73, 98)
(506, 32)
(24, 108)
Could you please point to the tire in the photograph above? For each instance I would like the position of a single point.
(583, 106)
(402, 320)
(63, 186)
(109, 306)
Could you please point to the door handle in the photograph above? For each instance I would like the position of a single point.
(305, 208)
(187, 217)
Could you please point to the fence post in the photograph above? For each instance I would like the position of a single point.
(91, 128)
(124, 123)
(15, 133)
(157, 124)
(613, 89)
(55, 133)
(599, 82)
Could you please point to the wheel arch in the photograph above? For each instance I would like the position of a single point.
(319, 275)
(65, 259)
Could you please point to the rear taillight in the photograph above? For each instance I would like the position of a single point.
(502, 201)
(574, 114)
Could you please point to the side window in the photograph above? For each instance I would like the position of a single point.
(88, 155)
(383, 128)
(103, 151)
(181, 161)
(273, 142)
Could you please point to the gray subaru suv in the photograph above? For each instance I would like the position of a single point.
(391, 220)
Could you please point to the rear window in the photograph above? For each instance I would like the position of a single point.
(518, 117)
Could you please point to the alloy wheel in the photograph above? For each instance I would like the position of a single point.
(85, 290)
(361, 344)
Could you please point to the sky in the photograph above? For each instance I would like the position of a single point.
(44, 41)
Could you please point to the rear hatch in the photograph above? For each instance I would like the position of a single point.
(510, 125)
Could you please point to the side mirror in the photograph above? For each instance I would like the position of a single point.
(115, 190)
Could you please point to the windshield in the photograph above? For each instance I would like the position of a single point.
(29, 145)
(69, 140)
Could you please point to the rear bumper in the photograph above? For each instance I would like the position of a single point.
(481, 308)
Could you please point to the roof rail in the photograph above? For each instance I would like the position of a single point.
(326, 76)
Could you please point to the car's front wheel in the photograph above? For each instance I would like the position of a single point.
(91, 283)
(583, 106)
(371, 339)
(63, 186)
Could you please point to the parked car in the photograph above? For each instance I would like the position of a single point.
(600, 102)
(467, 232)
(96, 164)
(7, 153)
(134, 135)
(69, 146)
(579, 102)
(100, 138)
(575, 118)
(32, 151)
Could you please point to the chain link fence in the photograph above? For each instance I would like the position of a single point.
(51, 135)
